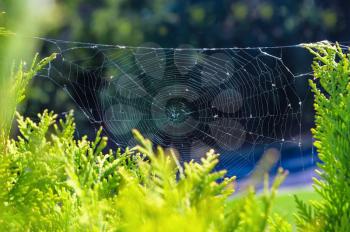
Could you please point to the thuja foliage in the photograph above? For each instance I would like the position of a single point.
(15, 91)
(331, 87)
(50, 181)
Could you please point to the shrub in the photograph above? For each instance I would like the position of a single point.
(331, 67)
(11, 96)
(50, 181)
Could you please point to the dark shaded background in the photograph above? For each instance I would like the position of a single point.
(203, 23)
(197, 23)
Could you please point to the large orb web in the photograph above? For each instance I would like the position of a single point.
(237, 101)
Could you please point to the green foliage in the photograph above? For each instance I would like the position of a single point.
(332, 104)
(48, 182)
(254, 212)
(51, 182)
(10, 97)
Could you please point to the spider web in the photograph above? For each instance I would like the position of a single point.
(238, 101)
